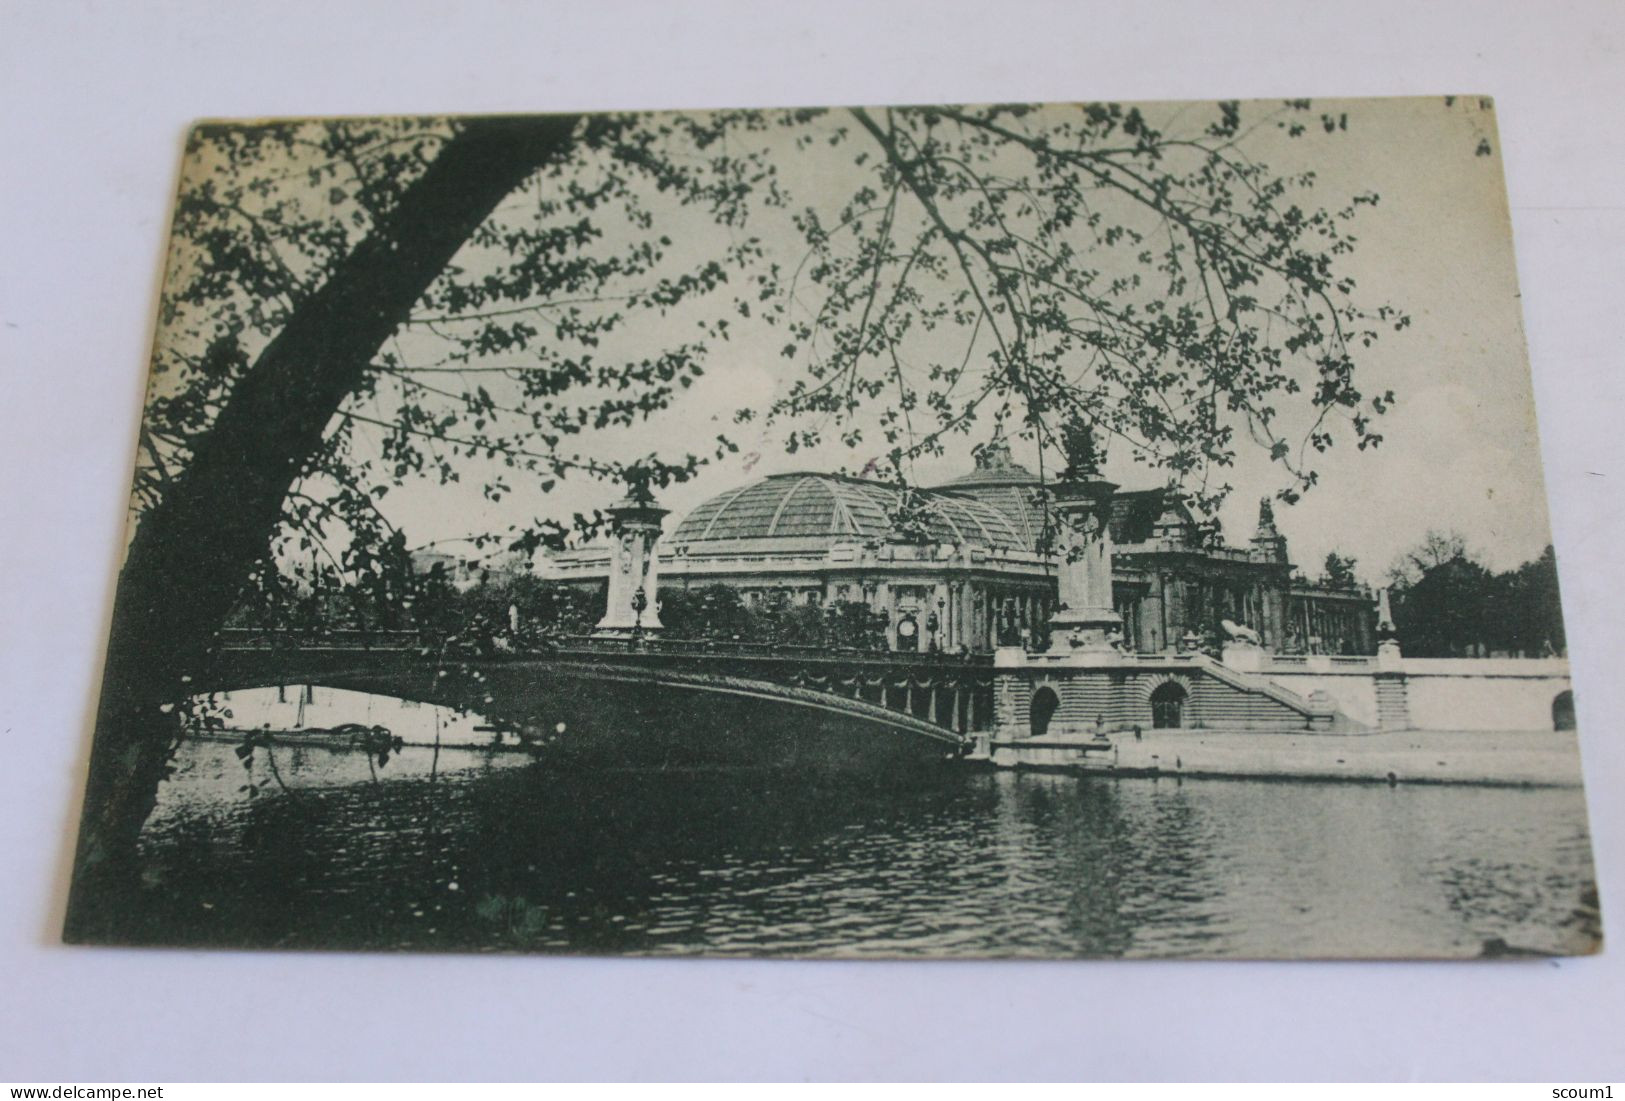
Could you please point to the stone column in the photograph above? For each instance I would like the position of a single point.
(883, 602)
(1085, 619)
(1151, 617)
(1389, 656)
(942, 607)
(1272, 601)
(633, 570)
(974, 637)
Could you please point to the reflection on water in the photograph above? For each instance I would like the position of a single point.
(477, 850)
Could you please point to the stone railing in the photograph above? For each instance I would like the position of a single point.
(681, 647)
(1485, 667)
(320, 638)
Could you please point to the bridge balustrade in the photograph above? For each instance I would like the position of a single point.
(949, 690)
(334, 638)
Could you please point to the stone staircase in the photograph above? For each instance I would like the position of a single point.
(1393, 703)
(1315, 714)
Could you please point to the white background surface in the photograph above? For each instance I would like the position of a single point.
(96, 98)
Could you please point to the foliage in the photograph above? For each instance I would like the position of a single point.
(1445, 613)
(477, 616)
(713, 611)
(544, 609)
(719, 612)
(1529, 610)
(1085, 266)
(910, 521)
(1058, 263)
(1435, 549)
(503, 365)
(353, 305)
(1339, 571)
(1458, 608)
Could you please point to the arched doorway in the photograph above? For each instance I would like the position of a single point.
(1563, 711)
(1045, 704)
(1168, 706)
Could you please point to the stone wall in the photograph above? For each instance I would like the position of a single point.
(1257, 691)
(1484, 694)
(1115, 692)
(1430, 693)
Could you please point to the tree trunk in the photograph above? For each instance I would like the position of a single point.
(192, 553)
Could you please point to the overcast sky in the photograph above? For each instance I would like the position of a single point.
(1460, 449)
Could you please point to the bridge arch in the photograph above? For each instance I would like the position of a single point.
(1169, 701)
(622, 700)
(1563, 710)
(1150, 685)
(1045, 704)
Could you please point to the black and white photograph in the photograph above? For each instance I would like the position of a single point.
(1017, 530)
(908, 541)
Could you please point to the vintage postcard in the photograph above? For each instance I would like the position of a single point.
(1074, 530)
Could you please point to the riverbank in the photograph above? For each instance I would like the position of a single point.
(1543, 758)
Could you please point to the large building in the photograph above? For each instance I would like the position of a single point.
(962, 566)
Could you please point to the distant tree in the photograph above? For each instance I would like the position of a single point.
(437, 606)
(1526, 613)
(1445, 612)
(542, 607)
(718, 612)
(1456, 607)
(1339, 571)
(1435, 549)
(797, 624)
(354, 304)
(711, 611)
(854, 625)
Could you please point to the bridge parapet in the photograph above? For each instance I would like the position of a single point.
(951, 693)
(341, 638)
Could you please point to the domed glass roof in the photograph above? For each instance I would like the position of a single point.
(1001, 483)
(994, 467)
(815, 511)
(1007, 487)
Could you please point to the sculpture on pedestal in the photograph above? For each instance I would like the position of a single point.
(1086, 619)
(633, 604)
(1239, 634)
(1388, 650)
(1385, 616)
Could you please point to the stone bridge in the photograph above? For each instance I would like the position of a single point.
(720, 702)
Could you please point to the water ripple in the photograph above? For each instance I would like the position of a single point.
(489, 852)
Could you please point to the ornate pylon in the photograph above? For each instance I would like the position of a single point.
(1086, 619)
(634, 573)
(1389, 654)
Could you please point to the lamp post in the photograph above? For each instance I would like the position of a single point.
(640, 601)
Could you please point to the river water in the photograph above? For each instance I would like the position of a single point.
(478, 850)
